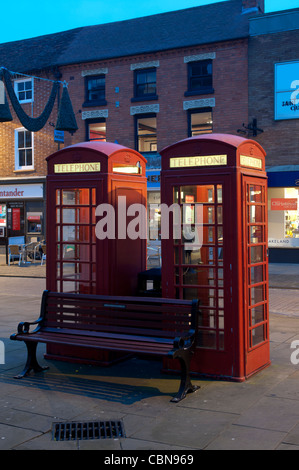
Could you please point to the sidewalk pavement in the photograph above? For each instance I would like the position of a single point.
(261, 413)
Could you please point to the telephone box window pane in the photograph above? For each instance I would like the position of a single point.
(207, 339)
(256, 234)
(257, 314)
(79, 215)
(191, 256)
(202, 193)
(256, 214)
(255, 194)
(219, 215)
(257, 274)
(207, 318)
(75, 197)
(199, 276)
(256, 254)
(257, 335)
(257, 294)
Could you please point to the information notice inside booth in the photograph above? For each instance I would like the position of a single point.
(220, 185)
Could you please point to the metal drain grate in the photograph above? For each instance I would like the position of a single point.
(74, 431)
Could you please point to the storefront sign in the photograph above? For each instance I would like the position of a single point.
(208, 160)
(283, 242)
(251, 162)
(77, 167)
(21, 191)
(16, 218)
(287, 90)
(283, 204)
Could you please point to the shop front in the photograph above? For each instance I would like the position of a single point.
(22, 210)
(283, 214)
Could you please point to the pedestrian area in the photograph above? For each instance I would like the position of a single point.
(261, 413)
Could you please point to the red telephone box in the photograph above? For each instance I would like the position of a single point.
(90, 187)
(218, 185)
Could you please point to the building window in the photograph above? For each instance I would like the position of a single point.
(200, 122)
(145, 85)
(146, 133)
(23, 150)
(95, 91)
(200, 77)
(96, 130)
(24, 90)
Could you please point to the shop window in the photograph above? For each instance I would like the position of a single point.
(145, 84)
(24, 90)
(95, 91)
(23, 149)
(96, 130)
(200, 122)
(283, 216)
(200, 77)
(146, 133)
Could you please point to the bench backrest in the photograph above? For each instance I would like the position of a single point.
(140, 316)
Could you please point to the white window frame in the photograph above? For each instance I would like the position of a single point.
(17, 157)
(23, 80)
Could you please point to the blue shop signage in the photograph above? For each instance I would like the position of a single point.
(287, 90)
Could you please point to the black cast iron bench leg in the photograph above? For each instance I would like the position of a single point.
(31, 361)
(185, 385)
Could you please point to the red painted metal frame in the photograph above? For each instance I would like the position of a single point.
(117, 262)
(235, 361)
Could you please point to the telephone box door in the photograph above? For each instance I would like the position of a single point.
(71, 260)
(256, 298)
(202, 269)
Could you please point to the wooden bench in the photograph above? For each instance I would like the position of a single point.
(139, 325)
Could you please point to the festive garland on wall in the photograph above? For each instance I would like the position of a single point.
(66, 119)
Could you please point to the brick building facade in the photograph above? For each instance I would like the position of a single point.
(144, 83)
(273, 62)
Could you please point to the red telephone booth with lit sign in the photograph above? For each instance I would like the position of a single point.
(217, 250)
(90, 188)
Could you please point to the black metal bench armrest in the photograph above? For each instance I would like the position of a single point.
(24, 326)
(185, 342)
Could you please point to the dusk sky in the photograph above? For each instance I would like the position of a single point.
(21, 20)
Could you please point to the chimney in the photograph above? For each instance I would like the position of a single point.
(252, 6)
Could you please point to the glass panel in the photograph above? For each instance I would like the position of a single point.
(76, 215)
(255, 194)
(257, 335)
(256, 214)
(257, 294)
(206, 295)
(219, 215)
(199, 276)
(201, 123)
(191, 256)
(207, 318)
(257, 314)
(221, 340)
(75, 197)
(219, 194)
(256, 254)
(256, 234)
(257, 274)
(207, 339)
(202, 193)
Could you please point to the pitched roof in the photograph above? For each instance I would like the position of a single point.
(183, 28)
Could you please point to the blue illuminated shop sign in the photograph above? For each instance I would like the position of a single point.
(287, 90)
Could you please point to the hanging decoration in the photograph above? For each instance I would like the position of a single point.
(66, 119)
(5, 114)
